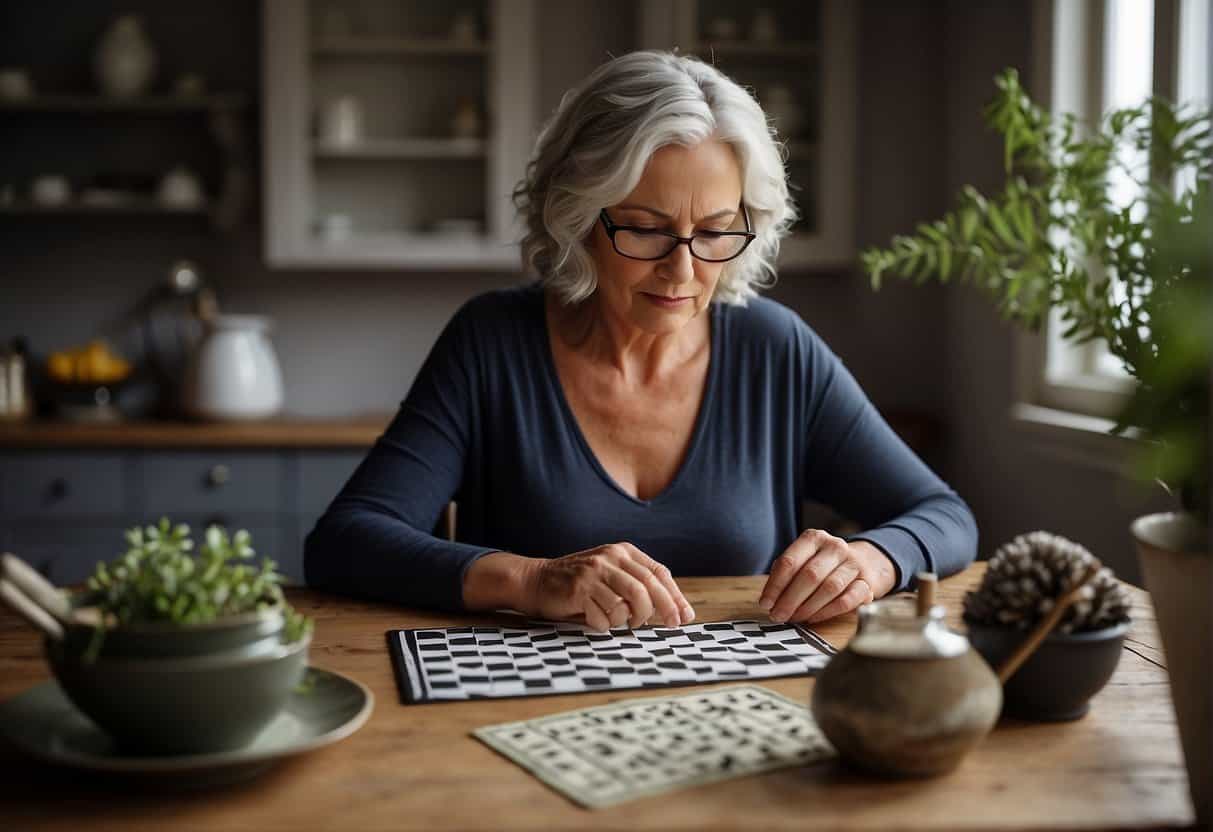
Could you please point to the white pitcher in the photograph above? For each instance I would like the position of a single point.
(234, 373)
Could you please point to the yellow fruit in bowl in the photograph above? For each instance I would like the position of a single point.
(94, 363)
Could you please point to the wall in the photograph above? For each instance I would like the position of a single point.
(351, 342)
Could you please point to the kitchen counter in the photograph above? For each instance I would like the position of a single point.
(919, 431)
(285, 432)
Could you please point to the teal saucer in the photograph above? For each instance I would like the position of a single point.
(42, 722)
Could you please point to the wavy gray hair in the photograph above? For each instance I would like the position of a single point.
(593, 151)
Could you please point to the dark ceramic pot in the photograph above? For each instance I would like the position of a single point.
(1056, 683)
(197, 704)
(250, 633)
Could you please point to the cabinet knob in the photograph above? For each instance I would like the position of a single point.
(218, 475)
(59, 489)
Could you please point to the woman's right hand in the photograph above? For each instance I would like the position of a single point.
(611, 586)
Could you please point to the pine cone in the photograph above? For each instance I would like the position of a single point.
(1026, 576)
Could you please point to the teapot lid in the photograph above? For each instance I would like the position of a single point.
(893, 630)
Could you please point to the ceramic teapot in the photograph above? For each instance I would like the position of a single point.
(908, 697)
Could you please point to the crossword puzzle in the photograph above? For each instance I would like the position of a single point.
(543, 658)
(608, 754)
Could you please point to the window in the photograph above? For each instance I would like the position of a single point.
(1100, 55)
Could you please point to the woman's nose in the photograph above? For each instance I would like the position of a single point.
(678, 266)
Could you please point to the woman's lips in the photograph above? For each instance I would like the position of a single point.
(665, 302)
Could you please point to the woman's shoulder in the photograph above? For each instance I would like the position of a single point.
(768, 324)
(510, 311)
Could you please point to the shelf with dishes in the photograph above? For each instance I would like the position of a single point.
(395, 132)
(798, 59)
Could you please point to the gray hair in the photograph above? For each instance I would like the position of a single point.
(594, 149)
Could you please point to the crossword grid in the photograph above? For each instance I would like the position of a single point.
(605, 755)
(540, 658)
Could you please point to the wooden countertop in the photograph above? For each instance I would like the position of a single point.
(417, 767)
(918, 430)
(286, 432)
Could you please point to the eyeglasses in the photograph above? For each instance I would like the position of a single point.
(651, 244)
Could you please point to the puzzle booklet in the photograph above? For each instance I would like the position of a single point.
(544, 658)
(606, 755)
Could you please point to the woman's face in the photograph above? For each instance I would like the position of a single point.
(684, 190)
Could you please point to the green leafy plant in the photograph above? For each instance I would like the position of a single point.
(160, 578)
(1134, 271)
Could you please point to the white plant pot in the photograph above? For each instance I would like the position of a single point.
(234, 373)
(1173, 550)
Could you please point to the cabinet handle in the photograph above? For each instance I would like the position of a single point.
(218, 475)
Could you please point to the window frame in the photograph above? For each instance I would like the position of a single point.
(1053, 375)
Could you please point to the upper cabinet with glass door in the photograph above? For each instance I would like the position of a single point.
(395, 130)
(798, 56)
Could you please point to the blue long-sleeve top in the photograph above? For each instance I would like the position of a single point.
(486, 423)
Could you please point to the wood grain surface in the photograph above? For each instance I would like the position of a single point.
(416, 767)
(359, 432)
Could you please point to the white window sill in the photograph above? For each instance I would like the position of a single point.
(1076, 438)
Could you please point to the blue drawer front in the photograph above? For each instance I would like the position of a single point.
(63, 484)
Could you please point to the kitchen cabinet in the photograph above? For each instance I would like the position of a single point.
(64, 510)
(799, 59)
(394, 132)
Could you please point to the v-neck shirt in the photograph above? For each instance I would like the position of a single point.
(487, 424)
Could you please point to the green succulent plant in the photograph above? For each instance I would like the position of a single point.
(161, 578)
(1136, 272)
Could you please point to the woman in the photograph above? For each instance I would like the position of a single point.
(638, 413)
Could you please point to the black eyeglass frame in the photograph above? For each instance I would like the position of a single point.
(612, 228)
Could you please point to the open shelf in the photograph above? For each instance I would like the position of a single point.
(777, 52)
(387, 249)
(404, 149)
(422, 47)
(102, 104)
(146, 206)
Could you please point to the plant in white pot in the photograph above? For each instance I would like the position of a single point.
(1134, 272)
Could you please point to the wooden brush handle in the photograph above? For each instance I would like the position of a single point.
(1013, 662)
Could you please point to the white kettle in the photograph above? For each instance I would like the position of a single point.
(234, 373)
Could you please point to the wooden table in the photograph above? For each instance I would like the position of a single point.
(416, 767)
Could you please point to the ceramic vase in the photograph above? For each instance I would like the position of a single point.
(907, 697)
(125, 61)
(1173, 550)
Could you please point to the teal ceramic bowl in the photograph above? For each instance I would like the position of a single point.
(193, 705)
(253, 633)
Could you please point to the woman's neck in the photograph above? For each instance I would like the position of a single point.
(639, 357)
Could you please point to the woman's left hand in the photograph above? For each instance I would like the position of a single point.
(820, 576)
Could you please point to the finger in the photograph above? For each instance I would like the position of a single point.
(787, 566)
(805, 583)
(634, 592)
(595, 617)
(612, 604)
(686, 613)
(831, 586)
(856, 595)
(665, 606)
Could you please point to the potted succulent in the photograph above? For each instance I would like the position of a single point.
(1024, 579)
(1137, 275)
(168, 650)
